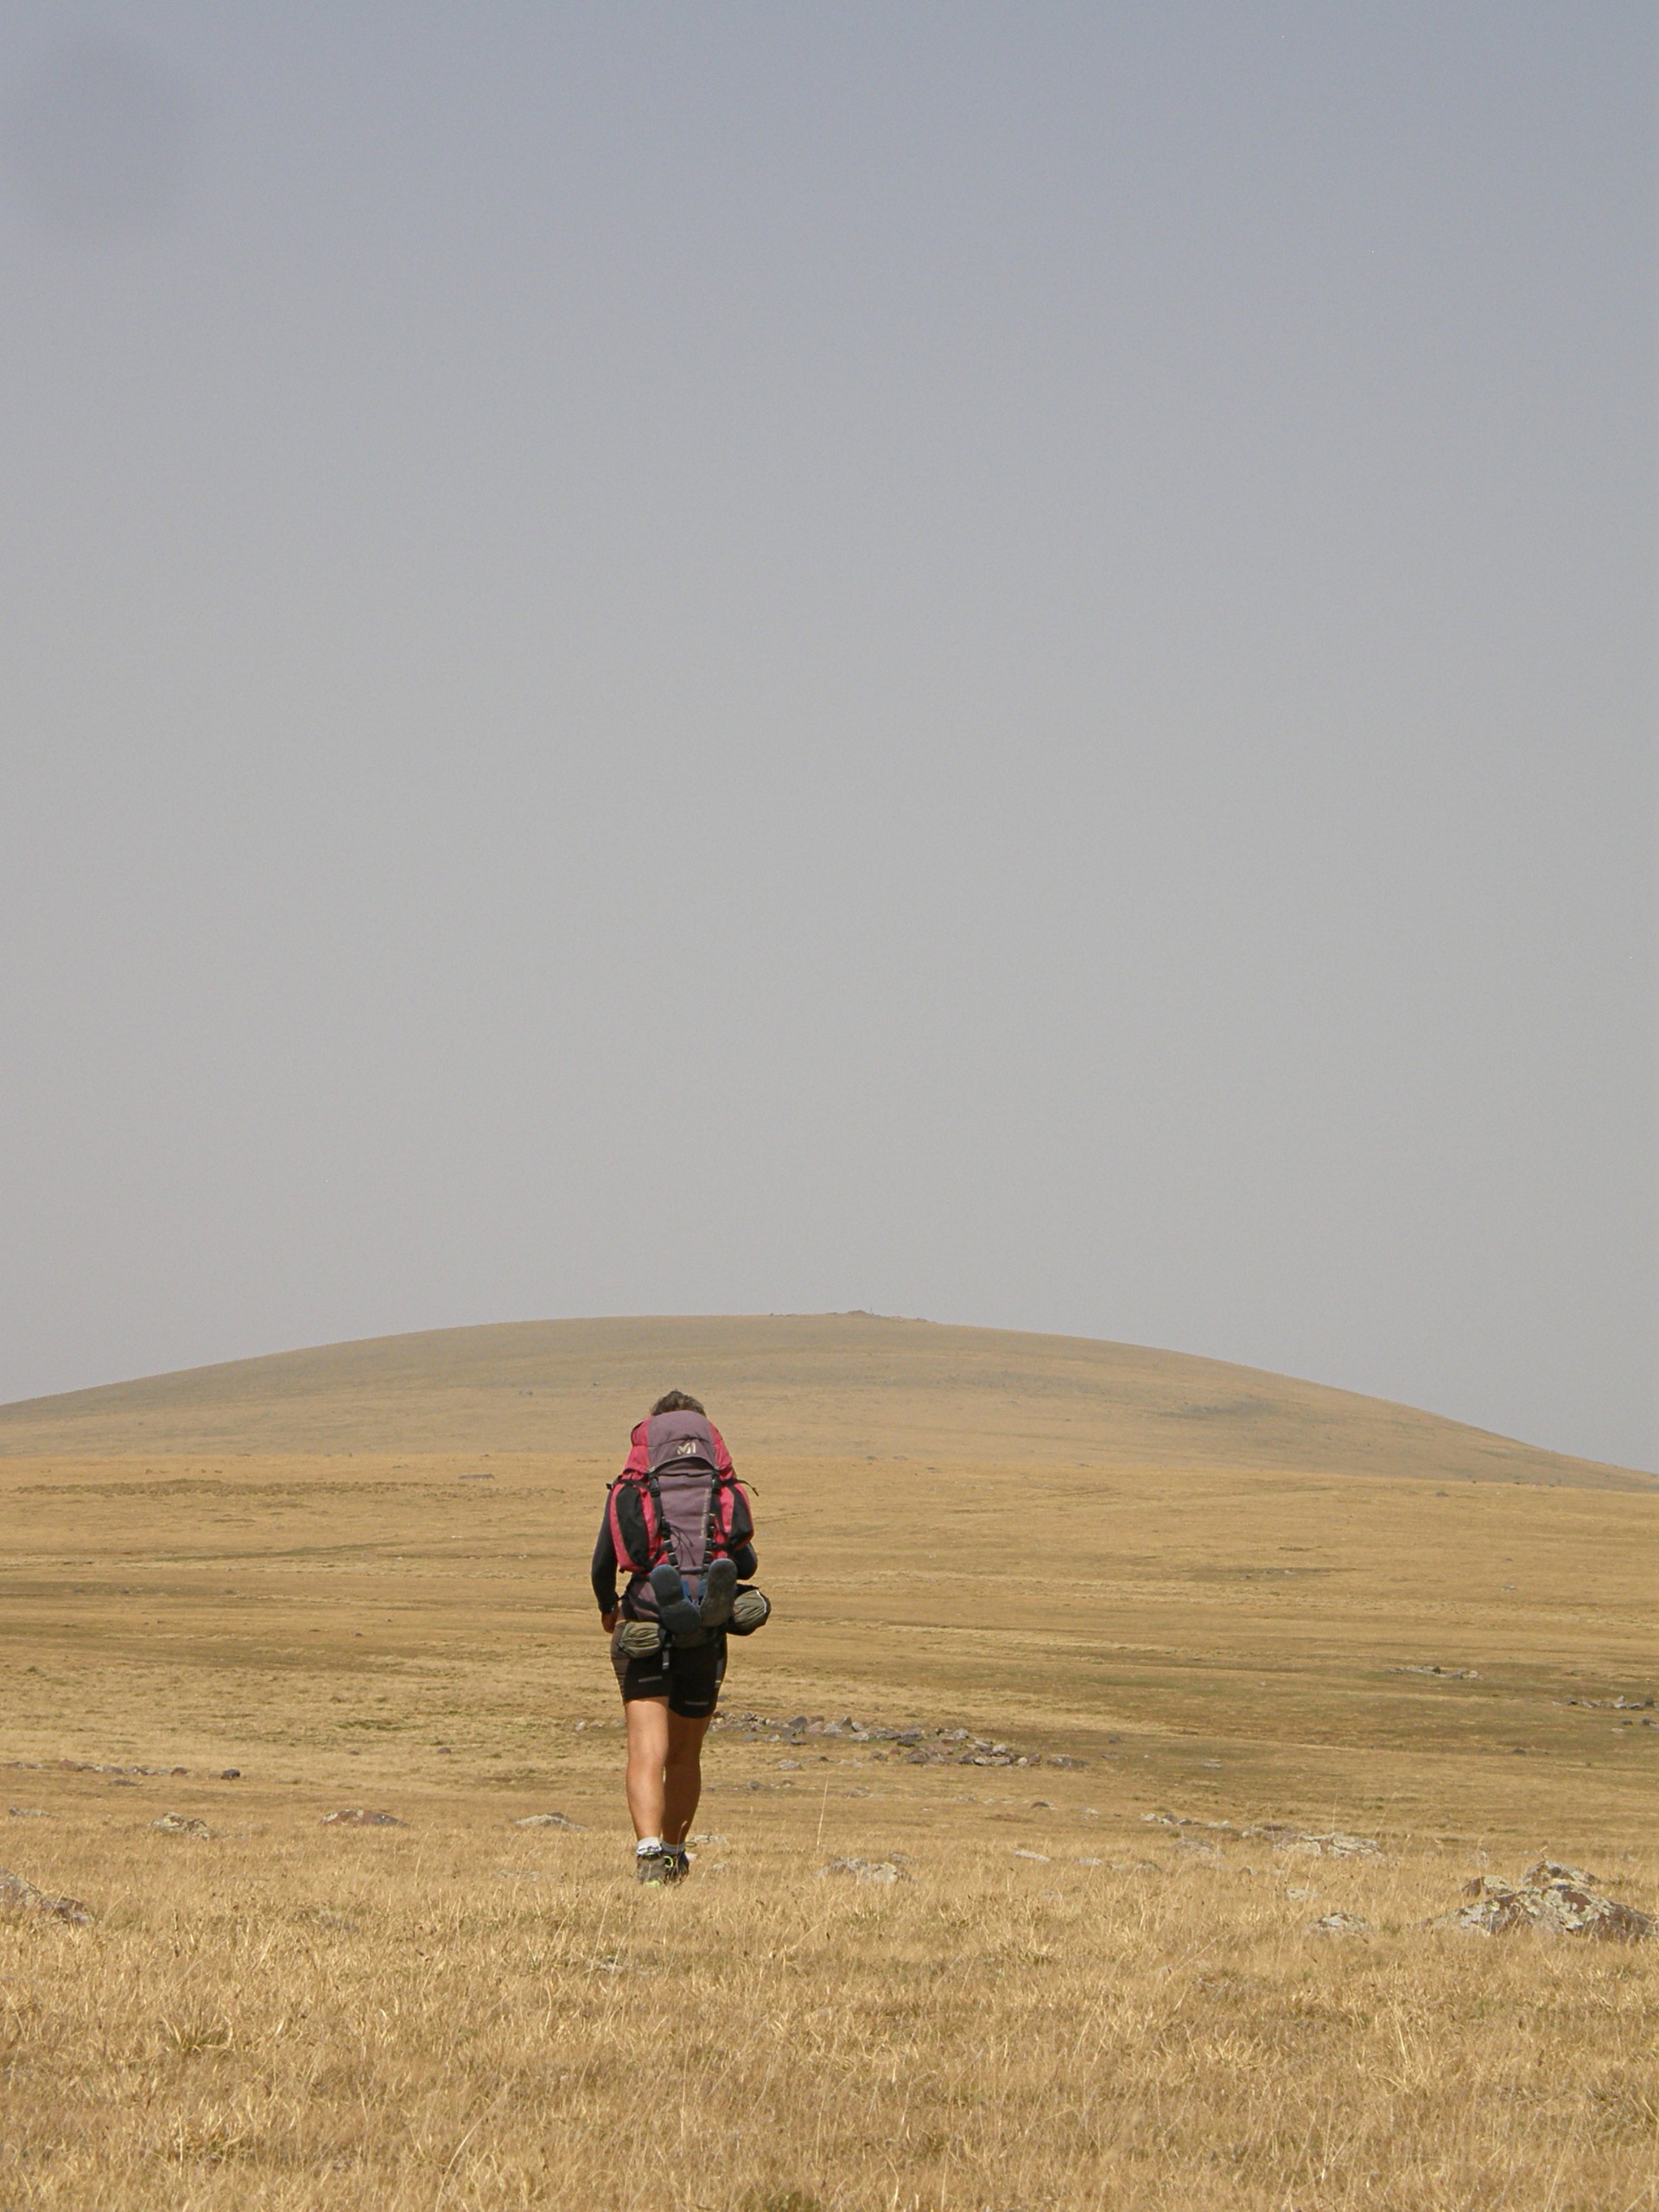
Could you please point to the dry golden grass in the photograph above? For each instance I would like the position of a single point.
(291, 1571)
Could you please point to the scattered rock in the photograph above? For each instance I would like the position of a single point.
(18, 1896)
(1059, 1758)
(545, 1821)
(1562, 1900)
(1041, 1857)
(337, 1920)
(25, 1813)
(355, 1817)
(1446, 1674)
(866, 1870)
(182, 1824)
(230, 1774)
(1338, 1924)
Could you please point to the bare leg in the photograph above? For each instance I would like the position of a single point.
(647, 1722)
(682, 1781)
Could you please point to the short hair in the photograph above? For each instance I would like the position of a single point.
(678, 1402)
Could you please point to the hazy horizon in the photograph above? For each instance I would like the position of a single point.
(986, 664)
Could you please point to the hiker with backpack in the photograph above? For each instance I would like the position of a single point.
(677, 1523)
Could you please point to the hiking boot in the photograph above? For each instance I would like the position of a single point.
(719, 1587)
(679, 1862)
(639, 1639)
(750, 1609)
(653, 1864)
(680, 1617)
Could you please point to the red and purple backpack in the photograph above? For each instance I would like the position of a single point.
(677, 1498)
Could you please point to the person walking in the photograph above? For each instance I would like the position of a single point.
(677, 1523)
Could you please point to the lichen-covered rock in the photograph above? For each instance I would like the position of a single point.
(355, 1817)
(1561, 1900)
(866, 1870)
(182, 1824)
(18, 1896)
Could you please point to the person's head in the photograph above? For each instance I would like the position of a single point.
(678, 1402)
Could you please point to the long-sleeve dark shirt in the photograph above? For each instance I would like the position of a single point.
(605, 1572)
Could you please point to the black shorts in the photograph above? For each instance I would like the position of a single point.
(689, 1678)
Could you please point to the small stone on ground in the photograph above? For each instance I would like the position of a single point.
(182, 1824)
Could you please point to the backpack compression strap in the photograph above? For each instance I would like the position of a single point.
(659, 1539)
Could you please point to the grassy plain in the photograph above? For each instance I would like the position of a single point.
(359, 1576)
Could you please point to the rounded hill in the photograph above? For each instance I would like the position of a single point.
(839, 1385)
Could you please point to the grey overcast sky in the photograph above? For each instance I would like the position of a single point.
(993, 662)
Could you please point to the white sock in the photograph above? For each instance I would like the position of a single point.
(647, 1846)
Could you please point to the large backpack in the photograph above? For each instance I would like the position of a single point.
(677, 1498)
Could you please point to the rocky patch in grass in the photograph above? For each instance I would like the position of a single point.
(1333, 1843)
(356, 1817)
(1560, 1900)
(918, 1746)
(87, 1766)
